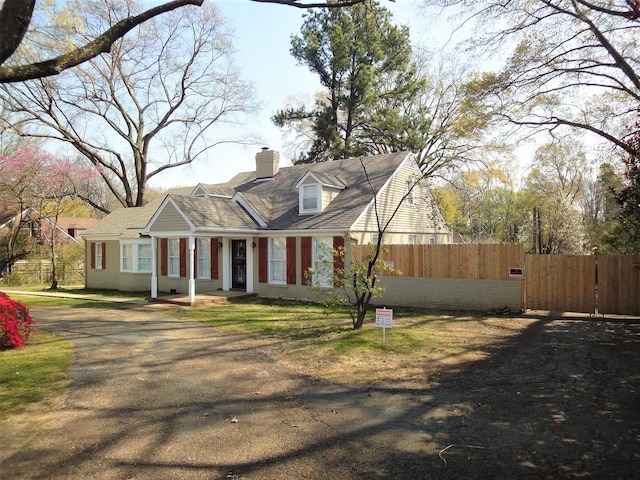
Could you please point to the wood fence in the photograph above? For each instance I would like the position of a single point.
(560, 283)
(477, 261)
(606, 284)
(619, 284)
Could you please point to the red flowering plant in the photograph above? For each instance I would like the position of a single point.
(15, 322)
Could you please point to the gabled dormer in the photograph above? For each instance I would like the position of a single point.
(315, 192)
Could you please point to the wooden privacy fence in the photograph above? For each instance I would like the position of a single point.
(477, 261)
(619, 284)
(560, 283)
(605, 284)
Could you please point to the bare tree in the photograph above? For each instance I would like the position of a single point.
(567, 63)
(16, 17)
(148, 106)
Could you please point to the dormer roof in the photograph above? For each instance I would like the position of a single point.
(323, 179)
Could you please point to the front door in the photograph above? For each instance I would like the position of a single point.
(239, 264)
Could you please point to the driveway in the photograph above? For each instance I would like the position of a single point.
(153, 397)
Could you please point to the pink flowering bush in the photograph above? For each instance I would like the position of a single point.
(15, 322)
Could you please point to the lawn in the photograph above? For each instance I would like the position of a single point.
(321, 342)
(33, 373)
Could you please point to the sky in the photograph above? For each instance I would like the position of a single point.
(262, 42)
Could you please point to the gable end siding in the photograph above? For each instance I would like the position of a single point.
(169, 220)
(416, 218)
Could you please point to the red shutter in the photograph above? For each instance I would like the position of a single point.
(305, 259)
(214, 258)
(164, 257)
(263, 258)
(338, 261)
(183, 257)
(93, 255)
(195, 259)
(291, 260)
(104, 256)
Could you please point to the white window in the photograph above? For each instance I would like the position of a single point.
(135, 256)
(173, 261)
(144, 257)
(323, 261)
(203, 247)
(310, 199)
(277, 260)
(374, 239)
(126, 257)
(411, 188)
(412, 239)
(98, 262)
(432, 240)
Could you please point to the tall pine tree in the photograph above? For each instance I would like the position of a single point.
(364, 63)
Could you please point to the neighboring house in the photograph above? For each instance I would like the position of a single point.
(263, 230)
(39, 227)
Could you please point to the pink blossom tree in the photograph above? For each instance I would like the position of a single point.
(35, 178)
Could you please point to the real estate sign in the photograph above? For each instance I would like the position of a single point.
(384, 317)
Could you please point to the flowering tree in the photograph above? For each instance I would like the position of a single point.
(35, 178)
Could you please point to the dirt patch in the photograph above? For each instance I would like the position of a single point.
(152, 397)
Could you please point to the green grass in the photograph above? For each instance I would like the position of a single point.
(314, 324)
(33, 373)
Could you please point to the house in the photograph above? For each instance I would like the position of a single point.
(40, 227)
(263, 230)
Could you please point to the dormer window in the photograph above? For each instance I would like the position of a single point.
(316, 191)
(310, 198)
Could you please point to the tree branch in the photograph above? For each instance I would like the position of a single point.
(101, 44)
(15, 18)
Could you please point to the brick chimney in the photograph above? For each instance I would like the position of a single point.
(267, 164)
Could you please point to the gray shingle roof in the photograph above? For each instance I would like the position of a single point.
(212, 212)
(125, 222)
(276, 200)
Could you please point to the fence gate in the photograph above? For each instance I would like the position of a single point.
(560, 283)
(583, 283)
(619, 284)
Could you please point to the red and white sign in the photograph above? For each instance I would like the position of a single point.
(384, 317)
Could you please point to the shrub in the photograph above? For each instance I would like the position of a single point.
(15, 322)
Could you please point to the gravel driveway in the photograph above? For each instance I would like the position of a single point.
(153, 397)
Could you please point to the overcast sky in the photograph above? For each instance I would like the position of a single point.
(263, 33)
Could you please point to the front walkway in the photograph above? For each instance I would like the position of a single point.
(181, 299)
(207, 298)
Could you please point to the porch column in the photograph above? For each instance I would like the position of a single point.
(154, 267)
(226, 265)
(250, 248)
(192, 259)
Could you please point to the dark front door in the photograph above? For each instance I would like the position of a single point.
(239, 264)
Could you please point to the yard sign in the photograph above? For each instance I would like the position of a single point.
(384, 319)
